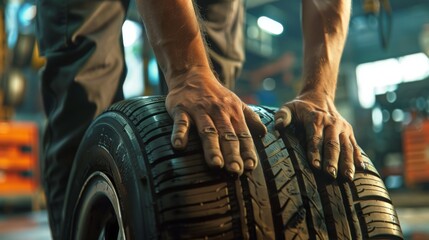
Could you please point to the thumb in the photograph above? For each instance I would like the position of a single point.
(283, 117)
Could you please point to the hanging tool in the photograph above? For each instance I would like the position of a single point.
(382, 10)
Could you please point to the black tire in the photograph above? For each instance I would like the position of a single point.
(127, 181)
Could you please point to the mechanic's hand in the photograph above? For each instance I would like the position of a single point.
(220, 117)
(327, 133)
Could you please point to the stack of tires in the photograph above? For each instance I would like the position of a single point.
(129, 183)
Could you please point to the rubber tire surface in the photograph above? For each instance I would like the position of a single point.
(168, 194)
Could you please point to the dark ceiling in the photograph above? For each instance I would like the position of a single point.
(408, 19)
(364, 44)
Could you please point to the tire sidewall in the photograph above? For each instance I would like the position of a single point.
(111, 146)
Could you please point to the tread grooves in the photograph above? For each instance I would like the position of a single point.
(302, 188)
(177, 155)
(248, 205)
(361, 204)
(256, 197)
(351, 215)
(281, 199)
(274, 202)
(235, 209)
(327, 209)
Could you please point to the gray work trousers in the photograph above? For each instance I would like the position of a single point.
(85, 70)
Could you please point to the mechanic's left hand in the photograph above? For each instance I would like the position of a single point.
(327, 133)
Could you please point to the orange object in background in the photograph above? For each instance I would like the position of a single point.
(416, 153)
(19, 175)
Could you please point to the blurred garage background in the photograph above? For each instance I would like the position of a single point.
(383, 91)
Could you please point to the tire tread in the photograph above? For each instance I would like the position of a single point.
(280, 199)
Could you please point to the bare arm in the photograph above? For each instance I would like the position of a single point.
(325, 25)
(174, 34)
(195, 95)
(331, 144)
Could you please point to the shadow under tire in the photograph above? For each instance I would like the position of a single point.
(127, 182)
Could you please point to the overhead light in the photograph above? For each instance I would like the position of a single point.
(269, 84)
(26, 14)
(382, 76)
(377, 119)
(269, 25)
(131, 32)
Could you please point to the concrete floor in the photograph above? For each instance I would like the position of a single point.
(414, 222)
(34, 226)
(25, 226)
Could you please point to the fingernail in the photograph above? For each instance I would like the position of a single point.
(362, 164)
(349, 174)
(332, 171)
(279, 121)
(250, 164)
(235, 167)
(177, 143)
(217, 161)
(316, 163)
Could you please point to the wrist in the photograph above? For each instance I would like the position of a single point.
(322, 91)
(317, 98)
(191, 76)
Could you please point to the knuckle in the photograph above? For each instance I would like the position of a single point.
(209, 105)
(333, 120)
(347, 125)
(199, 108)
(313, 149)
(314, 144)
(344, 137)
(231, 99)
(356, 148)
(181, 123)
(315, 140)
(333, 144)
(208, 131)
(347, 147)
(237, 118)
(179, 132)
(244, 135)
(179, 107)
(177, 135)
(179, 111)
(348, 161)
(217, 108)
(229, 136)
(223, 123)
(317, 117)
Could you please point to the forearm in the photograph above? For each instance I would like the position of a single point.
(325, 26)
(174, 33)
(330, 142)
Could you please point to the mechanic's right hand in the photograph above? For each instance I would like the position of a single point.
(222, 120)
